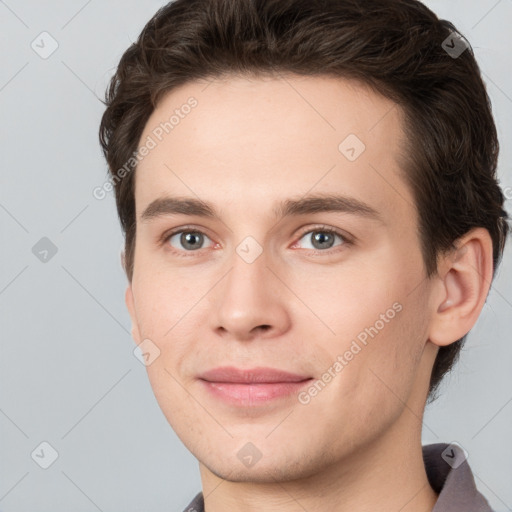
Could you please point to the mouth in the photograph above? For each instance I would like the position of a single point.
(252, 387)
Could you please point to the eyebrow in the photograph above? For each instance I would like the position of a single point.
(310, 204)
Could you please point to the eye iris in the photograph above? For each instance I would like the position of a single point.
(188, 237)
(321, 237)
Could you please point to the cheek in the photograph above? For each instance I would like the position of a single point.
(162, 317)
(162, 301)
(380, 331)
(351, 301)
(389, 363)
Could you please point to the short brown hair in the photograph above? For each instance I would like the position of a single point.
(394, 46)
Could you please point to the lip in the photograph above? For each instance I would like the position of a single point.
(258, 375)
(253, 387)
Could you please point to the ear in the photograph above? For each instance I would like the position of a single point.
(130, 304)
(464, 279)
(123, 261)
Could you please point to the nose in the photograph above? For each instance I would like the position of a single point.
(251, 301)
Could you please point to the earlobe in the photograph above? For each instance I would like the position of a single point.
(130, 304)
(464, 282)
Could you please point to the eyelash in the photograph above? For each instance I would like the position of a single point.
(347, 241)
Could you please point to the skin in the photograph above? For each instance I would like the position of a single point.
(249, 143)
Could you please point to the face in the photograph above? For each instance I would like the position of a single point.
(277, 276)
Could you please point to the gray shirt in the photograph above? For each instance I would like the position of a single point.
(448, 473)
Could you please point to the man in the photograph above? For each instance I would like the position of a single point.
(312, 217)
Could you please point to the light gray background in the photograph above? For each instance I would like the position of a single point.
(68, 373)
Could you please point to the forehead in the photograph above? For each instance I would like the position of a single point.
(243, 139)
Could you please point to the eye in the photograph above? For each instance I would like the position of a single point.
(190, 240)
(323, 238)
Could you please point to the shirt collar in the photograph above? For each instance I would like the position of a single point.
(451, 478)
